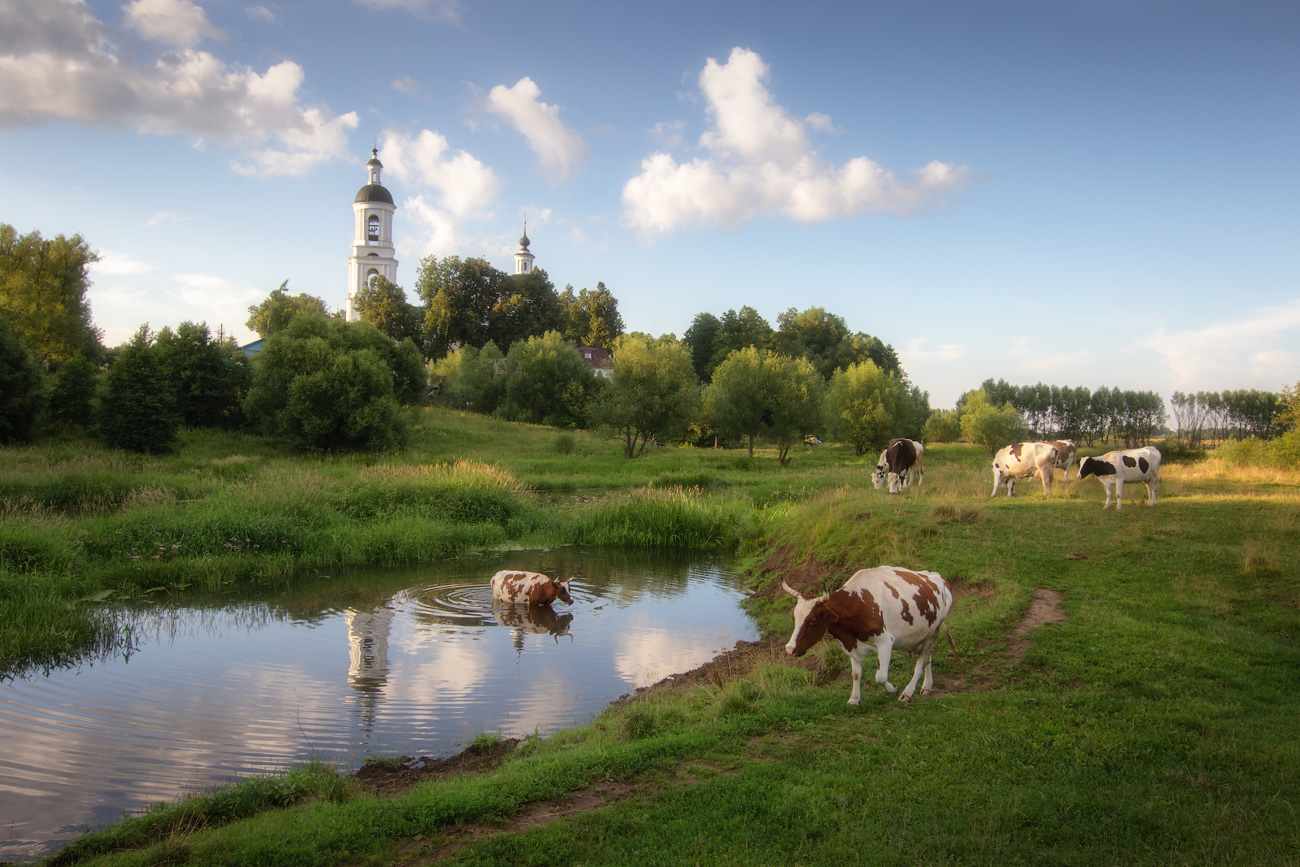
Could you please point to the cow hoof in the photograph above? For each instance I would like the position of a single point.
(853, 701)
(904, 698)
(925, 691)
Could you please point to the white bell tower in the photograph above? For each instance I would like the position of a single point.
(523, 258)
(372, 244)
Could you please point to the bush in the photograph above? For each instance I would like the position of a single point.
(136, 407)
(71, 401)
(1176, 451)
(21, 394)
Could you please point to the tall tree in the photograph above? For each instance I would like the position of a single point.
(795, 402)
(699, 337)
(209, 377)
(654, 392)
(43, 285)
(546, 380)
(867, 406)
(735, 402)
(739, 330)
(275, 313)
(591, 318)
(21, 394)
(137, 407)
(526, 306)
(383, 304)
(458, 297)
(73, 395)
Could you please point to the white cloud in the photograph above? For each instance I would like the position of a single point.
(1252, 352)
(164, 217)
(260, 12)
(757, 160)
(557, 147)
(457, 186)
(448, 11)
(406, 85)
(1038, 365)
(59, 62)
(917, 353)
(178, 23)
(117, 264)
(820, 122)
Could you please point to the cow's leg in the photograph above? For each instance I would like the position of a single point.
(1119, 492)
(856, 695)
(1151, 491)
(1011, 486)
(922, 668)
(997, 482)
(884, 648)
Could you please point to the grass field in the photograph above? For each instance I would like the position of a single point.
(1156, 724)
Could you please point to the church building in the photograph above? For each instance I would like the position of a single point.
(372, 244)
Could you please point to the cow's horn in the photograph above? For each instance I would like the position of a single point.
(788, 589)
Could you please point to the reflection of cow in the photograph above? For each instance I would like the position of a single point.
(529, 588)
(540, 620)
(877, 609)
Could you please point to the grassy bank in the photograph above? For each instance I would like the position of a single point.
(1155, 725)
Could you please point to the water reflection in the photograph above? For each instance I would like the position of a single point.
(413, 661)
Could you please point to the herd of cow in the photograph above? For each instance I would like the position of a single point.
(902, 461)
(888, 608)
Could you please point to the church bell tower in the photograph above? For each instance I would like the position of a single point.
(372, 245)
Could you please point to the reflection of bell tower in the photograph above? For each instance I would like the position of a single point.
(372, 244)
(368, 658)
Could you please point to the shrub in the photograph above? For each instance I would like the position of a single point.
(21, 394)
(136, 406)
(71, 401)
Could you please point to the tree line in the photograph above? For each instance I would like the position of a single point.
(1220, 415)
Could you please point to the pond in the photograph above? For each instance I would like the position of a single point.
(383, 662)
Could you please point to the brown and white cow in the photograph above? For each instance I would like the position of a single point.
(1021, 460)
(1113, 469)
(877, 609)
(900, 462)
(1065, 450)
(528, 588)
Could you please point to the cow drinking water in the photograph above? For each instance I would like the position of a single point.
(528, 588)
(877, 609)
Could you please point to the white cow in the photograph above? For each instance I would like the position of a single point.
(1113, 469)
(900, 462)
(1021, 460)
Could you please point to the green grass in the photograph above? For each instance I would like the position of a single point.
(1156, 725)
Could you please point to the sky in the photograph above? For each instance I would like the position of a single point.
(1086, 193)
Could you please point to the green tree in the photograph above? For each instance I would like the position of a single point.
(699, 337)
(72, 397)
(653, 394)
(795, 402)
(275, 313)
(943, 426)
(208, 377)
(991, 426)
(137, 406)
(326, 384)
(472, 378)
(546, 380)
(739, 330)
(526, 306)
(383, 304)
(458, 297)
(866, 406)
(736, 401)
(590, 318)
(22, 396)
(43, 285)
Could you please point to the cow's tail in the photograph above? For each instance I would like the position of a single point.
(951, 643)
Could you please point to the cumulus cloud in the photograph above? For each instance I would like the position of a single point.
(1038, 364)
(117, 264)
(758, 160)
(60, 62)
(557, 147)
(916, 352)
(447, 11)
(178, 23)
(406, 85)
(459, 186)
(260, 12)
(1252, 352)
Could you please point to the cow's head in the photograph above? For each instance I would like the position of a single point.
(811, 620)
(878, 475)
(562, 591)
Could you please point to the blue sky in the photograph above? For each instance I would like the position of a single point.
(1097, 193)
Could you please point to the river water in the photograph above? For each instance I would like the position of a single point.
(381, 662)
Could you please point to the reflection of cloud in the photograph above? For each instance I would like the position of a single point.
(646, 655)
(1254, 347)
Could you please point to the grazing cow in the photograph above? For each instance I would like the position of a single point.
(1065, 450)
(881, 609)
(1022, 460)
(528, 588)
(1113, 469)
(900, 462)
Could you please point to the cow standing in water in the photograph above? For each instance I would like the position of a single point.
(528, 588)
(877, 609)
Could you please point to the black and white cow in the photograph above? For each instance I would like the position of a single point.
(1113, 469)
(900, 462)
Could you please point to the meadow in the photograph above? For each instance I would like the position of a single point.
(1154, 724)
